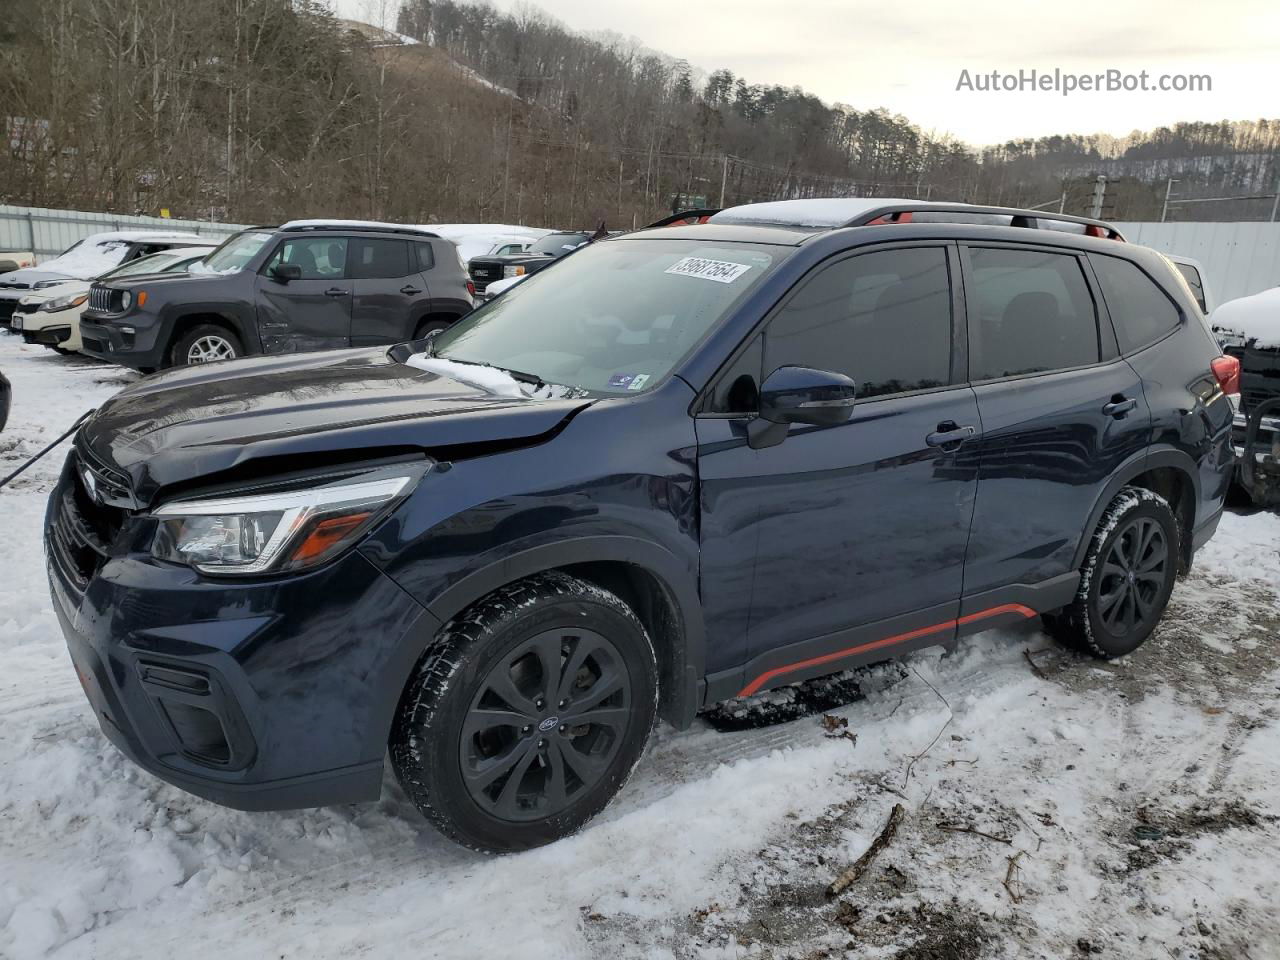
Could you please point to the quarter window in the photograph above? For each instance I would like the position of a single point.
(1140, 310)
(882, 318)
(1029, 312)
(426, 257)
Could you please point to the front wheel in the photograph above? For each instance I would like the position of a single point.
(1127, 577)
(528, 715)
(205, 343)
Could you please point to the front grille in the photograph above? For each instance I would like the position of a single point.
(6, 310)
(1252, 398)
(111, 485)
(82, 530)
(100, 299)
(14, 285)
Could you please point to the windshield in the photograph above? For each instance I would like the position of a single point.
(234, 253)
(558, 244)
(616, 317)
(149, 264)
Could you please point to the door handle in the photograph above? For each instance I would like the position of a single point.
(335, 292)
(1119, 406)
(409, 291)
(949, 432)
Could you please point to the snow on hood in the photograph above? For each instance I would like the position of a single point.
(98, 253)
(495, 381)
(1251, 320)
(506, 283)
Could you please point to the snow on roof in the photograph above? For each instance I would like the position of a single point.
(375, 224)
(1255, 320)
(135, 236)
(819, 212)
(477, 239)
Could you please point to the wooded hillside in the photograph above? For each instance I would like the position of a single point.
(254, 110)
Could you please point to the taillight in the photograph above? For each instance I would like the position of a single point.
(1226, 370)
(471, 287)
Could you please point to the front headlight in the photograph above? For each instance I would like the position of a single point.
(64, 303)
(509, 272)
(126, 301)
(46, 284)
(272, 532)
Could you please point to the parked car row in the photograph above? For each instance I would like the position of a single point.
(151, 302)
(678, 466)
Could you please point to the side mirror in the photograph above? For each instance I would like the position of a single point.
(284, 272)
(806, 395)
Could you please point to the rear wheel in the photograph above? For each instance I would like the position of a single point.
(528, 716)
(205, 343)
(1127, 577)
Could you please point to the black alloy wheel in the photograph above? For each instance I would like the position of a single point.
(547, 722)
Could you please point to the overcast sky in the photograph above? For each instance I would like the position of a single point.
(908, 56)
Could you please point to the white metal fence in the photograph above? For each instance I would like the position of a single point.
(1239, 258)
(46, 233)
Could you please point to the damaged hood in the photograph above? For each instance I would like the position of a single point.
(266, 415)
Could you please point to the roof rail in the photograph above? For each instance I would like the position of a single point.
(902, 213)
(355, 227)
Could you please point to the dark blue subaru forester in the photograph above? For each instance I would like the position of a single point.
(681, 466)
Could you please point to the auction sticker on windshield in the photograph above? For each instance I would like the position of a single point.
(721, 271)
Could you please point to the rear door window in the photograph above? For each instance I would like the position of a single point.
(374, 259)
(1030, 311)
(1141, 312)
(882, 318)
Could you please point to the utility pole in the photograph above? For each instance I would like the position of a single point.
(724, 176)
(1275, 204)
(1062, 202)
(1099, 194)
(1168, 189)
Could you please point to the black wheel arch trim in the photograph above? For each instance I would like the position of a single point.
(682, 684)
(1153, 458)
(229, 314)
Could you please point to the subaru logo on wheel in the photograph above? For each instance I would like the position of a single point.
(549, 724)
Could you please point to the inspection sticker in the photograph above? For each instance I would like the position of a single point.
(721, 271)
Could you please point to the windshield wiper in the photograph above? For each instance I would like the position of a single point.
(530, 378)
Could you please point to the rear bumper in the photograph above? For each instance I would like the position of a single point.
(264, 695)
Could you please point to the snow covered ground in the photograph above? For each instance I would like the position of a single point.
(1054, 805)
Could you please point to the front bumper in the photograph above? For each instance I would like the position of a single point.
(260, 695)
(1255, 438)
(122, 342)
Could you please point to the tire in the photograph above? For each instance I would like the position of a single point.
(206, 339)
(502, 773)
(427, 327)
(1124, 583)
